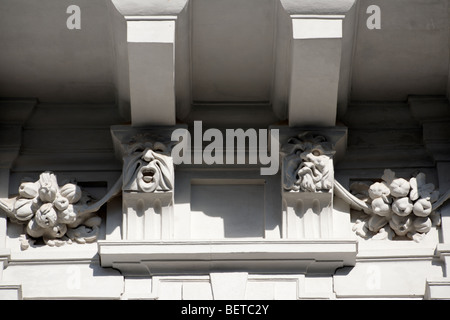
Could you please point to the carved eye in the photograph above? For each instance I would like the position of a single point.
(159, 147)
(316, 152)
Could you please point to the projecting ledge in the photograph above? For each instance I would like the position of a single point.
(203, 257)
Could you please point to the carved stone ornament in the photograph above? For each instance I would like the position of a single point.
(148, 168)
(57, 214)
(394, 206)
(308, 164)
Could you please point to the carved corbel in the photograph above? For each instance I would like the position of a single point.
(148, 168)
(148, 181)
(307, 185)
(308, 164)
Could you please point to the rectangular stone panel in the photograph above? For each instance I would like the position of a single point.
(227, 211)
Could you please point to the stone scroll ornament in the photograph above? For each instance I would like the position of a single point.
(394, 206)
(57, 214)
(308, 164)
(148, 167)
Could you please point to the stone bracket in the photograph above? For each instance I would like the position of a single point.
(308, 214)
(148, 181)
(320, 49)
(150, 44)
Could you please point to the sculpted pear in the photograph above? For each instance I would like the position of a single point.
(401, 225)
(57, 231)
(61, 203)
(24, 209)
(376, 223)
(72, 192)
(28, 190)
(378, 190)
(422, 208)
(422, 225)
(399, 188)
(380, 207)
(49, 187)
(402, 206)
(34, 230)
(46, 216)
(67, 216)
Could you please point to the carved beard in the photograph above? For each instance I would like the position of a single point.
(313, 173)
(307, 172)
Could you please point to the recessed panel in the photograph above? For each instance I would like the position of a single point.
(232, 50)
(227, 211)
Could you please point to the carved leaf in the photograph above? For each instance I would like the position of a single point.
(426, 190)
(385, 233)
(376, 223)
(434, 196)
(360, 190)
(414, 193)
(361, 229)
(388, 176)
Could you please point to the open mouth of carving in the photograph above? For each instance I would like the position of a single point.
(147, 175)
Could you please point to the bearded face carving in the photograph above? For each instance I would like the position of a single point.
(308, 164)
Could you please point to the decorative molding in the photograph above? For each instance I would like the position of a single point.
(394, 206)
(437, 289)
(10, 291)
(443, 250)
(145, 258)
(155, 7)
(5, 255)
(57, 214)
(317, 7)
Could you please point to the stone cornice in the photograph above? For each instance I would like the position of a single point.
(174, 7)
(149, 7)
(317, 6)
(202, 257)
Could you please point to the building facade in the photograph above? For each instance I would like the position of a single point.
(209, 149)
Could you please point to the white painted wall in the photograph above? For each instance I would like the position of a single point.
(408, 55)
(41, 58)
(232, 50)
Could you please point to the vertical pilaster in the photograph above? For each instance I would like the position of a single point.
(434, 116)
